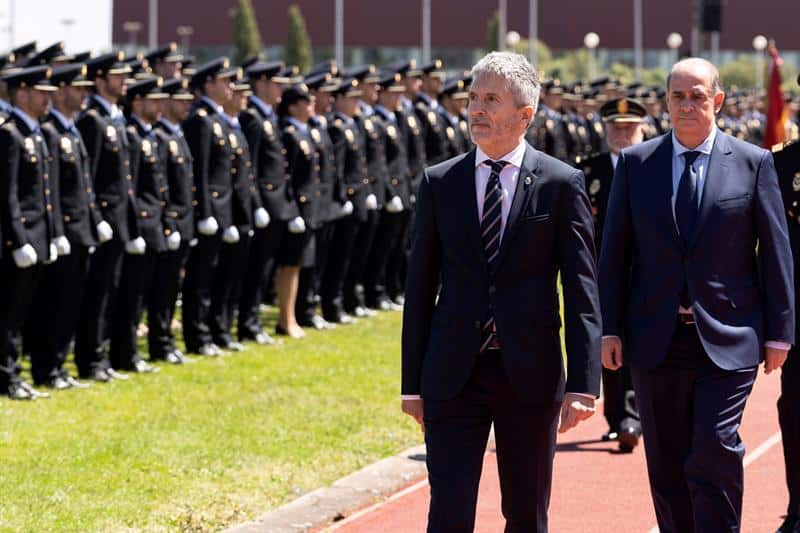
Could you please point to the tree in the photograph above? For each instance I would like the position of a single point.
(246, 37)
(298, 43)
(493, 32)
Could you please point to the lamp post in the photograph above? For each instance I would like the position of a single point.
(759, 45)
(533, 29)
(674, 42)
(638, 53)
(132, 27)
(591, 40)
(512, 40)
(184, 32)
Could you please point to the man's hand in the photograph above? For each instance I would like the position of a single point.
(774, 359)
(576, 408)
(413, 408)
(611, 352)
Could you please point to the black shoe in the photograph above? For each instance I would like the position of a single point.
(117, 375)
(232, 346)
(790, 525)
(628, 439)
(97, 374)
(35, 394)
(399, 300)
(176, 358)
(74, 383)
(57, 383)
(208, 350)
(16, 391)
(260, 338)
(609, 436)
(143, 367)
(316, 322)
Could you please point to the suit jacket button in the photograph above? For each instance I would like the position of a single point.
(492, 289)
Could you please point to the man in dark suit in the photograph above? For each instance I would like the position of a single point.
(787, 164)
(496, 226)
(696, 283)
(623, 128)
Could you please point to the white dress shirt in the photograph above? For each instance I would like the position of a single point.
(701, 169)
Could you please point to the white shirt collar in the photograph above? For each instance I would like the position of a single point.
(513, 157)
(704, 147)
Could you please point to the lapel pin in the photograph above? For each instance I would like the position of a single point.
(528, 180)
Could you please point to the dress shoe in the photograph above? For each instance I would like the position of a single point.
(232, 346)
(143, 367)
(316, 322)
(35, 394)
(790, 525)
(117, 375)
(98, 374)
(628, 439)
(175, 358)
(57, 383)
(74, 383)
(399, 300)
(260, 338)
(16, 391)
(609, 436)
(295, 333)
(208, 350)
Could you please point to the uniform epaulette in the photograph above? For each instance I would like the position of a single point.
(338, 122)
(778, 147)
(323, 122)
(202, 112)
(290, 129)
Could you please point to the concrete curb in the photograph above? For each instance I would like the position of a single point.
(323, 506)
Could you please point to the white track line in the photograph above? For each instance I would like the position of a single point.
(751, 457)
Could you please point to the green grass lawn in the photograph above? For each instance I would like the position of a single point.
(205, 445)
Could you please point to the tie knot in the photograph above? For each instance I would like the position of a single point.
(496, 166)
(691, 157)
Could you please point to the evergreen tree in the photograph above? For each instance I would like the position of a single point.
(246, 37)
(298, 43)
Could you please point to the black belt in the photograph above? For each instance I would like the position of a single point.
(687, 319)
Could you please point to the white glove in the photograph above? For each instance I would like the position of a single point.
(347, 208)
(92, 249)
(208, 226)
(24, 256)
(192, 243)
(231, 235)
(52, 253)
(395, 205)
(104, 232)
(173, 241)
(297, 225)
(63, 246)
(250, 233)
(372, 202)
(261, 218)
(136, 247)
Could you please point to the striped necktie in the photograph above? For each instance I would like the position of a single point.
(491, 227)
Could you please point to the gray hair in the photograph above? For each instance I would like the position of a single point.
(521, 78)
(716, 85)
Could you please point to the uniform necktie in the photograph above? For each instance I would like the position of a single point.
(491, 227)
(686, 209)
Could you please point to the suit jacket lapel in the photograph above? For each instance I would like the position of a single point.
(715, 176)
(468, 202)
(661, 165)
(522, 193)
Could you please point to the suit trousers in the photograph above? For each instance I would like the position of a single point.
(200, 269)
(387, 240)
(398, 258)
(135, 281)
(619, 400)
(789, 419)
(691, 411)
(456, 433)
(105, 267)
(17, 287)
(341, 250)
(161, 302)
(227, 288)
(53, 318)
(309, 286)
(354, 279)
(263, 249)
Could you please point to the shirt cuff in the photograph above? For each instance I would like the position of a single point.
(410, 397)
(778, 345)
(583, 394)
(611, 337)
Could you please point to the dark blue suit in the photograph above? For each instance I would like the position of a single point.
(519, 388)
(692, 380)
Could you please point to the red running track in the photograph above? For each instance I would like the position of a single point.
(596, 489)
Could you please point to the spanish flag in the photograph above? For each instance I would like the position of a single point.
(777, 113)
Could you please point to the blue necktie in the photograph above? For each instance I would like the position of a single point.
(686, 210)
(491, 226)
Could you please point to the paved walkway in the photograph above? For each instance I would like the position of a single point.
(596, 489)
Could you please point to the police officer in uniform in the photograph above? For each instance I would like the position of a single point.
(148, 157)
(207, 134)
(102, 128)
(260, 125)
(331, 196)
(180, 213)
(623, 119)
(166, 61)
(54, 314)
(398, 192)
(28, 217)
(453, 101)
(351, 157)
(426, 107)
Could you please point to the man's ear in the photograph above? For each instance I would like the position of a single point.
(527, 114)
(719, 98)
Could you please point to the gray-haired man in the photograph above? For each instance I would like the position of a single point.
(497, 226)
